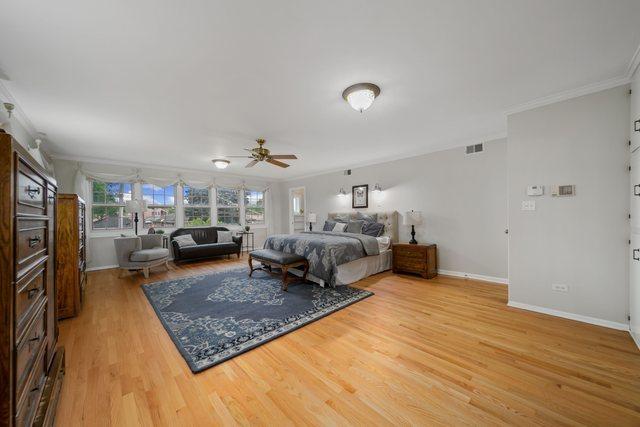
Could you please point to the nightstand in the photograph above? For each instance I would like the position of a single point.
(419, 259)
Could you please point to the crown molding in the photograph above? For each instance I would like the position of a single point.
(99, 161)
(18, 113)
(633, 64)
(569, 94)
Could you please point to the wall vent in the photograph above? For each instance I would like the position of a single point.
(475, 148)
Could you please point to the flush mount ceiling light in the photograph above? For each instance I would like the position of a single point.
(361, 95)
(221, 163)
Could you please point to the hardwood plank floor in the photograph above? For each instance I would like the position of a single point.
(423, 352)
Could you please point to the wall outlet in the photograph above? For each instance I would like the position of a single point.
(560, 288)
(528, 205)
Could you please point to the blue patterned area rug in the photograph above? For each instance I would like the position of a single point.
(215, 317)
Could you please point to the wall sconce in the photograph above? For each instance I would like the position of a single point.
(9, 107)
(377, 188)
(342, 193)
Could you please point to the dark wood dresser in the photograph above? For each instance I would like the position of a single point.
(71, 258)
(419, 259)
(31, 367)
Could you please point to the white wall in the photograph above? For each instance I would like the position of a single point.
(463, 200)
(579, 241)
(634, 284)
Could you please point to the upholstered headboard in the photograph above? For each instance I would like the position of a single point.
(389, 219)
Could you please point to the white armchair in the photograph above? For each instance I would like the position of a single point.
(141, 252)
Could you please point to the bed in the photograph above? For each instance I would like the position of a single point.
(340, 258)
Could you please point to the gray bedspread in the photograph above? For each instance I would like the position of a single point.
(325, 250)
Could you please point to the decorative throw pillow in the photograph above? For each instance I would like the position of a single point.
(328, 225)
(355, 226)
(185, 241)
(373, 217)
(339, 227)
(374, 229)
(224, 236)
(342, 218)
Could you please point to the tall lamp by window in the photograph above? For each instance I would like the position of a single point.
(413, 218)
(135, 206)
(312, 220)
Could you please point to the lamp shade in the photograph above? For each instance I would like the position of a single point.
(135, 205)
(312, 218)
(412, 218)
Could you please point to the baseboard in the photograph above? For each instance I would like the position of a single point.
(571, 316)
(636, 338)
(102, 267)
(491, 279)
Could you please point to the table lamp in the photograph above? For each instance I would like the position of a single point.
(312, 218)
(413, 218)
(134, 206)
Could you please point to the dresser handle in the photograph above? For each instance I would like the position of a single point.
(34, 241)
(635, 191)
(34, 339)
(32, 292)
(33, 390)
(636, 254)
(31, 191)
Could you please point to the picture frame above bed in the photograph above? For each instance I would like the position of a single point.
(360, 196)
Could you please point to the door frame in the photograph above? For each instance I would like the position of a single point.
(291, 190)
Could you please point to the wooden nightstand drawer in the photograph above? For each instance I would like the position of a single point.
(420, 259)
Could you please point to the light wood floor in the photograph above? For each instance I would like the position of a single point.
(444, 351)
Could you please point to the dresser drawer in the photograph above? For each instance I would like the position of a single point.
(29, 400)
(410, 253)
(32, 241)
(30, 196)
(29, 345)
(411, 265)
(29, 290)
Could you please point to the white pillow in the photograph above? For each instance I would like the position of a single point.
(224, 236)
(340, 227)
(383, 243)
(185, 241)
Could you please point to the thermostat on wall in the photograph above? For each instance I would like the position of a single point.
(535, 190)
(563, 190)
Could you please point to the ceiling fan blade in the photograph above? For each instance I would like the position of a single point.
(283, 156)
(251, 164)
(277, 163)
(241, 157)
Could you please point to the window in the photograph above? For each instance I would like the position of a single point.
(253, 207)
(107, 207)
(161, 206)
(197, 211)
(228, 206)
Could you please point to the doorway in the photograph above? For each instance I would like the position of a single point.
(297, 209)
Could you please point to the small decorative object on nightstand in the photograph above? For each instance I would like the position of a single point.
(414, 258)
(413, 218)
(312, 218)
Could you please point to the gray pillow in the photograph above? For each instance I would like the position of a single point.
(224, 236)
(355, 226)
(374, 229)
(368, 217)
(328, 225)
(342, 218)
(185, 241)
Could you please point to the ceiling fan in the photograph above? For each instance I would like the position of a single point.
(260, 154)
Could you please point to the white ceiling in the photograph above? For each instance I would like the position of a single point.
(178, 83)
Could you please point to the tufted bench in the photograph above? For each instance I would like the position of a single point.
(278, 259)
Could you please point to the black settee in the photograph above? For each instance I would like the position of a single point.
(207, 244)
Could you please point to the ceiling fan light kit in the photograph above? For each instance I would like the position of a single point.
(360, 96)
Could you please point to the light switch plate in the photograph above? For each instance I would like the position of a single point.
(535, 190)
(528, 205)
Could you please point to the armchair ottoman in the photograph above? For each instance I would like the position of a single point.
(141, 252)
